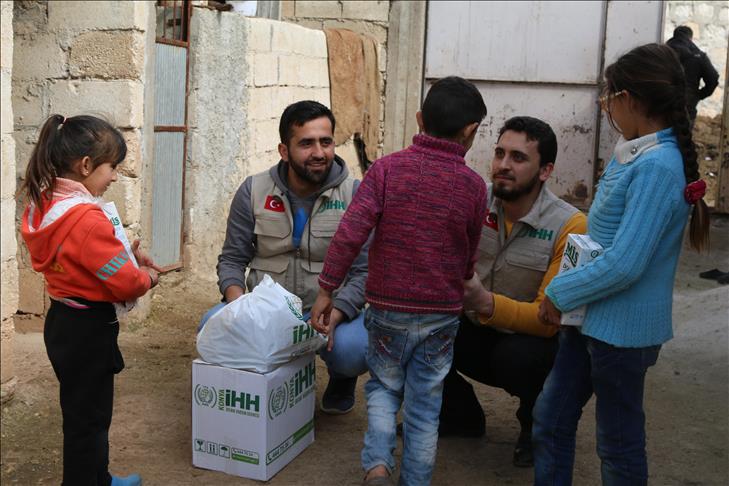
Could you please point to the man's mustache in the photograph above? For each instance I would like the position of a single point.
(505, 175)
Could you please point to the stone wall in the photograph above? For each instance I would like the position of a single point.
(244, 71)
(710, 22)
(7, 197)
(365, 17)
(77, 57)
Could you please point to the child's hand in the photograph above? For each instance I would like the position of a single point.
(549, 314)
(321, 311)
(153, 275)
(143, 259)
(476, 297)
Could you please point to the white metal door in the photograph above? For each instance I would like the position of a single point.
(542, 59)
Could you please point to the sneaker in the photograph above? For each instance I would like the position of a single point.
(131, 480)
(338, 398)
(523, 453)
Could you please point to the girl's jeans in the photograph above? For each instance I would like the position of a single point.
(408, 356)
(616, 376)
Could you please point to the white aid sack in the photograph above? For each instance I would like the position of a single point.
(259, 331)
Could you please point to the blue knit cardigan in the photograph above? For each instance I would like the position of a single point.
(638, 216)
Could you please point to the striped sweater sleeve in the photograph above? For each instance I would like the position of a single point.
(651, 199)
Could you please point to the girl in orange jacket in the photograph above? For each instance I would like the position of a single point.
(87, 270)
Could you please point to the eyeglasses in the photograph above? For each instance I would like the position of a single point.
(606, 98)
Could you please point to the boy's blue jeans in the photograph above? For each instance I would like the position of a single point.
(408, 356)
(347, 359)
(616, 376)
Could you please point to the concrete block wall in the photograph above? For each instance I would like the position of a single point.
(710, 22)
(365, 17)
(77, 57)
(8, 246)
(237, 95)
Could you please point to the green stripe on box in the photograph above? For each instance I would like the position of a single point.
(278, 451)
(242, 458)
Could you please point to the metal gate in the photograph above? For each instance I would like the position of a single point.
(542, 59)
(170, 131)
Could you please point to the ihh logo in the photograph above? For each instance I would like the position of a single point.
(205, 396)
(278, 401)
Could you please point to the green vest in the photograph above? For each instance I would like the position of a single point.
(297, 270)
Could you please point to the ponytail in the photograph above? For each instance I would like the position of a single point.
(41, 173)
(64, 141)
(699, 226)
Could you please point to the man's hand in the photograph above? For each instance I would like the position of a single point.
(143, 259)
(321, 311)
(477, 298)
(548, 313)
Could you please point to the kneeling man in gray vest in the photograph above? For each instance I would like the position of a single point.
(500, 341)
(280, 224)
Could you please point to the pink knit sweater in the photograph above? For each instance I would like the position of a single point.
(427, 208)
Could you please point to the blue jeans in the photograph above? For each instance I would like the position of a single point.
(408, 356)
(616, 376)
(347, 359)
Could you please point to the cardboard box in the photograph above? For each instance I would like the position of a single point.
(579, 250)
(250, 424)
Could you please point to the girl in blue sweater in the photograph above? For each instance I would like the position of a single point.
(638, 215)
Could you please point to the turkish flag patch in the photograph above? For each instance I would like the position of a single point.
(491, 221)
(275, 204)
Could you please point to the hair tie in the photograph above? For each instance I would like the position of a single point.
(62, 122)
(694, 191)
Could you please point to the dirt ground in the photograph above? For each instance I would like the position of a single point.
(686, 401)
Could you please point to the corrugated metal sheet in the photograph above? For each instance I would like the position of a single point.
(167, 196)
(170, 88)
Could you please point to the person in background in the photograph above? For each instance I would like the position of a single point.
(696, 66)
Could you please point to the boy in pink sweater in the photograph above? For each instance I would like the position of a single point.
(427, 208)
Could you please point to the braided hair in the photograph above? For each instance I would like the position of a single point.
(653, 75)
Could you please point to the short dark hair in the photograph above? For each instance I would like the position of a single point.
(535, 130)
(683, 31)
(451, 104)
(299, 113)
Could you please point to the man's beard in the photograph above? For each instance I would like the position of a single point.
(309, 176)
(516, 191)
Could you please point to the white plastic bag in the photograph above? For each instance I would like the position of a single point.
(259, 331)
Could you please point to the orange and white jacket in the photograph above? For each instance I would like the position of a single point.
(72, 243)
